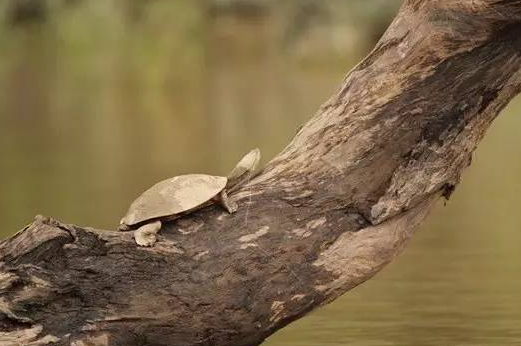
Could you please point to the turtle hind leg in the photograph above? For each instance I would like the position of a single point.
(226, 203)
(123, 228)
(146, 235)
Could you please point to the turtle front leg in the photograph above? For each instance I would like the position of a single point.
(146, 235)
(226, 203)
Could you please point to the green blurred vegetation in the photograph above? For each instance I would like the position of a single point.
(99, 99)
(95, 93)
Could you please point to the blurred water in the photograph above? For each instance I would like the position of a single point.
(95, 107)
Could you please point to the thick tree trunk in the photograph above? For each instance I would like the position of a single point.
(324, 216)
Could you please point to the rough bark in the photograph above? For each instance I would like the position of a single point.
(324, 216)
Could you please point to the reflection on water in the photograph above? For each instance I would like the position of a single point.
(96, 107)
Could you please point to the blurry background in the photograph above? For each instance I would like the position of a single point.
(99, 99)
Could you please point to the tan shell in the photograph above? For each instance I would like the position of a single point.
(174, 196)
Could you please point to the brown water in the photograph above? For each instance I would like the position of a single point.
(95, 107)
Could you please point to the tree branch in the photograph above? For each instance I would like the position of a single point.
(325, 215)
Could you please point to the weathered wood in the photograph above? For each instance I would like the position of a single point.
(324, 216)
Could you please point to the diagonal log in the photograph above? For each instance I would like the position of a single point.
(325, 215)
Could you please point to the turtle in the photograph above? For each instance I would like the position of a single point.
(181, 195)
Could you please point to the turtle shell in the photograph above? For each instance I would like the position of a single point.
(174, 196)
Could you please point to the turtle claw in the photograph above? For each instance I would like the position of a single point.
(231, 206)
(145, 240)
(147, 235)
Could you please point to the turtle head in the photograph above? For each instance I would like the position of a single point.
(244, 169)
